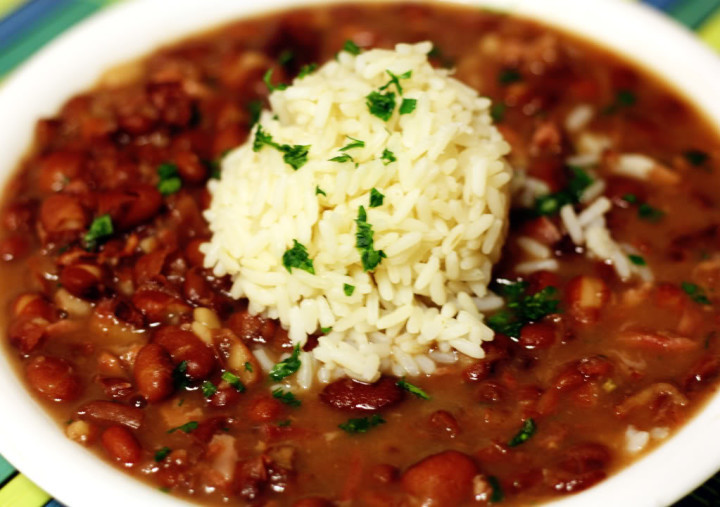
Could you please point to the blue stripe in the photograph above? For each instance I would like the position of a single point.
(661, 4)
(23, 20)
(53, 503)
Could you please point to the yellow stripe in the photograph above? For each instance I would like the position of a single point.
(20, 492)
(8, 5)
(710, 31)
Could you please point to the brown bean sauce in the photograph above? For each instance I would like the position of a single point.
(106, 332)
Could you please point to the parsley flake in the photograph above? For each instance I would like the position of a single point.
(100, 228)
(267, 79)
(188, 427)
(695, 292)
(234, 380)
(649, 213)
(522, 309)
(179, 375)
(356, 143)
(254, 108)
(551, 203)
(162, 453)
(208, 389)
(325, 330)
(696, 157)
(413, 389)
(509, 76)
(528, 430)
(170, 181)
(395, 80)
(348, 289)
(623, 99)
(637, 260)
(248, 366)
(381, 105)
(319, 191)
(408, 106)
(343, 158)
(286, 397)
(351, 47)
(497, 111)
(388, 157)
(297, 257)
(306, 70)
(362, 425)
(287, 366)
(631, 198)
(376, 198)
(365, 244)
(294, 155)
(497, 495)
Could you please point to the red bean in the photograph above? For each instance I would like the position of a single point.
(131, 206)
(265, 409)
(117, 388)
(384, 473)
(18, 216)
(111, 412)
(444, 479)
(150, 266)
(185, 346)
(33, 304)
(581, 458)
(193, 254)
(225, 396)
(478, 371)
(121, 445)
(171, 101)
(350, 394)
(153, 372)
(313, 502)
(54, 378)
(157, 306)
(538, 335)
(13, 247)
(83, 280)
(491, 392)
(190, 167)
(543, 230)
(62, 214)
(57, 169)
(445, 422)
(252, 328)
(27, 333)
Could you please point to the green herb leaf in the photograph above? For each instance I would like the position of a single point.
(413, 389)
(509, 76)
(696, 157)
(267, 79)
(170, 181)
(631, 198)
(287, 56)
(497, 111)
(551, 203)
(637, 260)
(234, 380)
(522, 309)
(351, 47)
(395, 80)
(436, 53)
(647, 212)
(286, 397)
(381, 105)
(348, 289)
(248, 366)
(287, 366)
(342, 158)
(362, 425)
(376, 198)
(388, 157)
(356, 143)
(284, 423)
(695, 292)
(325, 330)
(294, 155)
(623, 99)
(307, 69)
(497, 495)
(188, 427)
(408, 106)
(100, 228)
(528, 430)
(319, 191)
(365, 244)
(254, 108)
(297, 257)
(162, 453)
(208, 389)
(179, 374)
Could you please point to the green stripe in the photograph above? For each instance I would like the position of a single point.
(43, 33)
(20, 492)
(710, 31)
(693, 12)
(6, 470)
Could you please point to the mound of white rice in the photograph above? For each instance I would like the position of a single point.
(440, 226)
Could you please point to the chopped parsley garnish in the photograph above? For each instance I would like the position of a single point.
(408, 106)
(319, 191)
(179, 375)
(381, 105)
(509, 76)
(100, 228)
(208, 389)
(254, 108)
(631, 198)
(284, 423)
(438, 54)
(388, 157)
(343, 158)
(286, 397)
(351, 47)
(234, 380)
(348, 289)
(293, 155)
(267, 79)
(528, 429)
(696, 157)
(497, 111)
(647, 212)
(170, 181)
(497, 495)
(376, 198)
(521, 308)
(695, 292)
(356, 143)
(395, 80)
(551, 203)
(365, 244)
(413, 389)
(162, 453)
(307, 69)
(248, 366)
(362, 425)
(297, 257)
(164, 489)
(325, 330)
(623, 99)
(287, 56)
(637, 260)
(286, 366)
(188, 427)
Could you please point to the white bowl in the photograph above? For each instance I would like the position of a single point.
(35, 444)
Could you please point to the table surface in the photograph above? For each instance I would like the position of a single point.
(27, 25)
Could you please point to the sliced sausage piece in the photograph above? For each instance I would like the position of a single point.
(350, 394)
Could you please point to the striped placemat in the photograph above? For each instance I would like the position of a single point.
(27, 25)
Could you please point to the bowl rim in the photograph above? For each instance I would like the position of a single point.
(73, 62)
